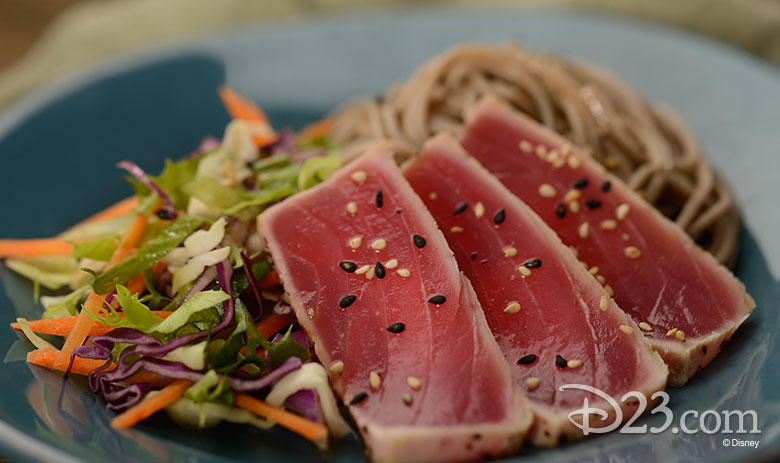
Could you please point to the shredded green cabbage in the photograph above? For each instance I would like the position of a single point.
(316, 170)
(199, 302)
(100, 249)
(147, 255)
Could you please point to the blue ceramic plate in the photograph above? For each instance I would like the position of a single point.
(59, 148)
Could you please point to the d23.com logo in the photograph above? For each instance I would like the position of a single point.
(709, 421)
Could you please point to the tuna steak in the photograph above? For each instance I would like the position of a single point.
(373, 283)
(685, 302)
(553, 321)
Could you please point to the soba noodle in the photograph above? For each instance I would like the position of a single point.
(646, 145)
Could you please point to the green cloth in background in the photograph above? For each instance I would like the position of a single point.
(91, 32)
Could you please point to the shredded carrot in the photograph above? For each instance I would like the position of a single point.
(80, 330)
(35, 248)
(310, 430)
(273, 324)
(152, 404)
(123, 207)
(317, 129)
(81, 366)
(239, 107)
(270, 280)
(64, 325)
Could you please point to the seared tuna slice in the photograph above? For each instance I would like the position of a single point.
(553, 321)
(686, 304)
(373, 283)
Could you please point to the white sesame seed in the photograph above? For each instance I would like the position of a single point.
(572, 195)
(391, 264)
(269, 295)
(626, 329)
(671, 332)
(532, 383)
(584, 230)
(362, 269)
(622, 211)
(374, 380)
(403, 272)
(413, 382)
(513, 307)
(680, 335)
(632, 252)
(378, 244)
(574, 363)
(355, 242)
(644, 326)
(352, 208)
(574, 207)
(456, 229)
(541, 150)
(509, 251)
(479, 209)
(370, 273)
(600, 278)
(407, 398)
(625, 236)
(310, 313)
(609, 224)
(604, 303)
(554, 156)
(525, 271)
(433, 195)
(594, 270)
(609, 290)
(359, 176)
(336, 367)
(526, 146)
(574, 161)
(546, 190)
(574, 251)
(566, 149)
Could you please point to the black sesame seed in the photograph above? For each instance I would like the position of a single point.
(527, 359)
(163, 214)
(398, 211)
(437, 299)
(606, 186)
(460, 208)
(483, 261)
(560, 210)
(396, 327)
(347, 266)
(500, 216)
(379, 270)
(347, 301)
(473, 256)
(580, 183)
(419, 241)
(592, 203)
(378, 198)
(560, 361)
(533, 263)
(359, 397)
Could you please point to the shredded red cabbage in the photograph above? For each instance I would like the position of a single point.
(141, 176)
(304, 403)
(200, 284)
(252, 284)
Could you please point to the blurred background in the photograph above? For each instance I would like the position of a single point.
(43, 40)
